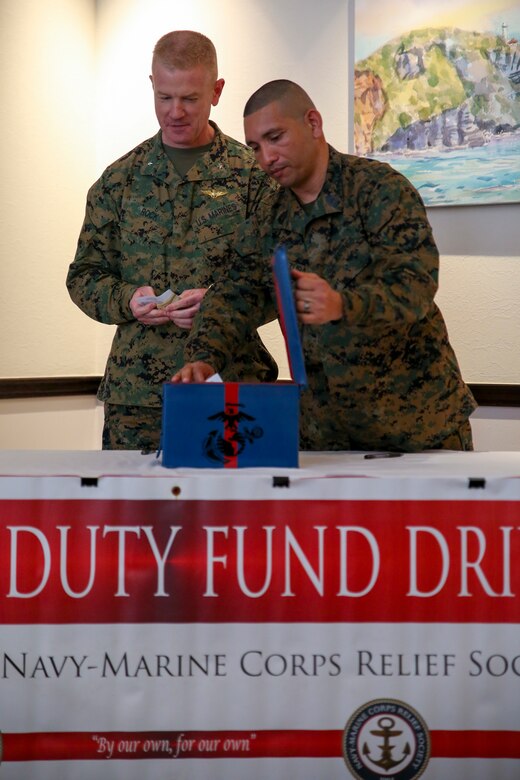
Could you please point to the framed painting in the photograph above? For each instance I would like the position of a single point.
(437, 95)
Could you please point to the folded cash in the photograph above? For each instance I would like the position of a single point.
(160, 300)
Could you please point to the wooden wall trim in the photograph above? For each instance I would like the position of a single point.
(39, 387)
(496, 395)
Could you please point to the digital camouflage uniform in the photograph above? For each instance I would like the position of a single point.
(384, 376)
(145, 225)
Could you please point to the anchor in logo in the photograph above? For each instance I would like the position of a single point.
(232, 443)
(386, 731)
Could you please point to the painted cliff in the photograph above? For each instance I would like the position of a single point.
(439, 88)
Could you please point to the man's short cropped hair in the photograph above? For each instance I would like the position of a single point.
(185, 49)
(295, 101)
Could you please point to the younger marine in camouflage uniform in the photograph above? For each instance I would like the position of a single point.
(380, 368)
(149, 226)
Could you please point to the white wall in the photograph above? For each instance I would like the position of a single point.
(256, 40)
(47, 82)
(75, 94)
(479, 298)
(63, 423)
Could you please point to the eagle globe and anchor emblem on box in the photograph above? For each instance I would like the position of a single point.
(386, 738)
(237, 432)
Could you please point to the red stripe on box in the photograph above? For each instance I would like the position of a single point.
(230, 400)
(75, 746)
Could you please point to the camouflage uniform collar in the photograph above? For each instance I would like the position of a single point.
(212, 164)
(332, 194)
(329, 201)
(156, 162)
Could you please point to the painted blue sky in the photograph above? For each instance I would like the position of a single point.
(376, 21)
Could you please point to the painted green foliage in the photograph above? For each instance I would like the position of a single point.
(429, 71)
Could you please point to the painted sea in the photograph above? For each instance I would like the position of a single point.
(468, 176)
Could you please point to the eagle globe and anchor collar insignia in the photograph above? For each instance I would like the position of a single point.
(386, 738)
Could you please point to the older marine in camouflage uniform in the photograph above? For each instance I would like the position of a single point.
(162, 217)
(384, 376)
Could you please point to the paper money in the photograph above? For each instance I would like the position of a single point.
(167, 297)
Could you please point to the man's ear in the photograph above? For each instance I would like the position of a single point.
(314, 121)
(217, 91)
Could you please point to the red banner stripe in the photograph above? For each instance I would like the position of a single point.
(405, 562)
(477, 744)
(166, 744)
(70, 746)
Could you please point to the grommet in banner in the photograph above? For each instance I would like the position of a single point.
(476, 482)
(89, 482)
(281, 482)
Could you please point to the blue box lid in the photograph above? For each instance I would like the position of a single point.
(287, 315)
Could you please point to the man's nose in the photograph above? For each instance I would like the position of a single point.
(266, 156)
(176, 109)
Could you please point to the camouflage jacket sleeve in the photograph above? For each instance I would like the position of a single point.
(388, 269)
(94, 278)
(237, 304)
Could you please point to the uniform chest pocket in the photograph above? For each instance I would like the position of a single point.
(144, 232)
(216, 220)
(144, 222)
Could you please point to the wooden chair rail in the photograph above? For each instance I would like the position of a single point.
(40, 387)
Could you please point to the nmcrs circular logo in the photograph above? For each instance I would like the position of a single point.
(386, 738)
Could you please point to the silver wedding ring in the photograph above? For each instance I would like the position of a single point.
(306, 307)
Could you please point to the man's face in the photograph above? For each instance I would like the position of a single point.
(183, 100)
(284, 146)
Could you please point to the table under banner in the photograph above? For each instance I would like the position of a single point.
(355, 617)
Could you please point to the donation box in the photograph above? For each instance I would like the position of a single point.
(234, 424)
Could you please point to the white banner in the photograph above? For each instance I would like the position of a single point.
(186, 626)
